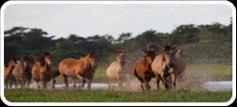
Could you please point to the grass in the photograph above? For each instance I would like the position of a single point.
(27, 95)
(210, 71)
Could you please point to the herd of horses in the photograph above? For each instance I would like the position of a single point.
(164, 63)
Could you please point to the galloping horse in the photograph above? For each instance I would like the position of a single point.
(22, 72)
(142, 69)
(163, 66)
(42, 69)
(83, 68)
(180, 64)
(116, 70)
(8, 76)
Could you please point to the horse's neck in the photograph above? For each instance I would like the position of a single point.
(10, 66)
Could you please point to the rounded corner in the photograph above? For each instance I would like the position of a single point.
(4, 100)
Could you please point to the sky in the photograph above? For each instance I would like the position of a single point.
(86, 20)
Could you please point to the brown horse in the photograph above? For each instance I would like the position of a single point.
(42, 69)
(163, 65)
(83, 68)
(8, 76)
(142, 69)
(22, 72)
(116, 70)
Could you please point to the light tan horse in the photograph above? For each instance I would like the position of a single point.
(8, 76)
(42, 69)
(163, 66)
(116, 70)
(22, 72)
(83, 68)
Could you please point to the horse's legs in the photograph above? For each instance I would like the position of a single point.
(158, 83)
(89, 83)
(28, 83)
(64, 78)
(148, 87)
(74, 82)
(162, 78)
(141, 85)
(173, 78)
(44, 84)
(83, 83)
(53, 83)
(38, 85)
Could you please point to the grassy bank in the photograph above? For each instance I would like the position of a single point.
(27, 95)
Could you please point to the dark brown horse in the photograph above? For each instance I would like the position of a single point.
(8, 76)
(42, 70)
(83, 68)
(142, 69)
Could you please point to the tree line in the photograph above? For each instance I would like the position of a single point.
(207, 42)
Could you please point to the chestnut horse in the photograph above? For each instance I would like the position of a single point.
(163, 66)
(83, 68)
(116, 70)
(142, 69)
(42, 69)
(22, 72)
(8, 76)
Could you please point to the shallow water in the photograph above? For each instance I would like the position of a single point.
(210, 85)
(218, 85)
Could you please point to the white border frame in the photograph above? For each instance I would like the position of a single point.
(123, 103)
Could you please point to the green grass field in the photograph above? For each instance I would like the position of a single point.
(27, 95)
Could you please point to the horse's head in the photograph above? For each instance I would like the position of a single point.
(48, 58)
(12, 62)
(25, 61)
(168, 55)
(152, 48)
(120, 56)
(148, 56)
(38, 59)
(93, 58)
